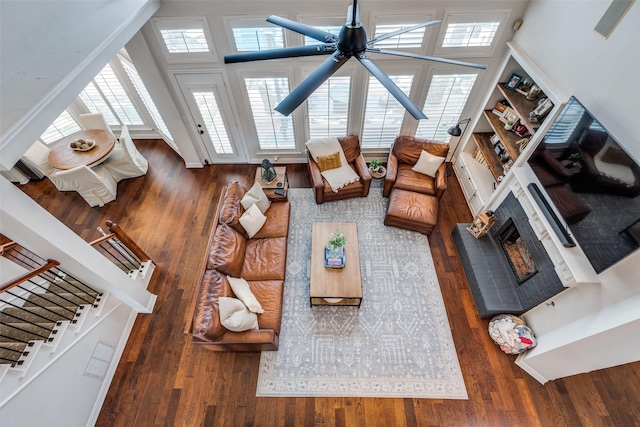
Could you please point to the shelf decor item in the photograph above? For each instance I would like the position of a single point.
(513, 82)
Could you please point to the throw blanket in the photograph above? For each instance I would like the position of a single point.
(338, 177)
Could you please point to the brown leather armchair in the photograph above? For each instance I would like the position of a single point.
(403, 155)
(322, 190)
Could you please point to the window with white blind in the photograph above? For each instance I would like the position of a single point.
(258, 38)
(63, 126)
(213, 121)
(185, 39)
(445, 101)
(275, 131)
(383, 113)
(328, 108)
(470, 34)
(106, 95)
(406, 40)
(131, 71)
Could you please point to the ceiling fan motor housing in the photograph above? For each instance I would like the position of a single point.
(352, 39)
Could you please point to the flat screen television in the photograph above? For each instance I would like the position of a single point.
(593, 183)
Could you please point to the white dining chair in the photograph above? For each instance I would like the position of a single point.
(125, 161)
(92, 121)
(95, 185)
(36, 158)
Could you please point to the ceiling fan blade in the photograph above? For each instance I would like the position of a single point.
(287, 52)
(303, 29)
(402, 31)
(391, 87)
(311, 83)
(428, 58)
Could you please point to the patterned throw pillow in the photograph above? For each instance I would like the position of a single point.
(331, 161)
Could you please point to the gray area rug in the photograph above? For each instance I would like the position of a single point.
(398, 344)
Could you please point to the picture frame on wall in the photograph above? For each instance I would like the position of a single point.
(509, 114)
(513, 81)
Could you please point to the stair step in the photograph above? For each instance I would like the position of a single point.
(13, 356)
(70, 285)
(52, 299)
(32, 314)
(23, 335)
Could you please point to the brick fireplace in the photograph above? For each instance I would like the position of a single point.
(503, 284)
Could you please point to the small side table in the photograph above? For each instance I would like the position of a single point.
(281, 182)
(380, 174)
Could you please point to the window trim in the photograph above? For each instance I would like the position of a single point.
(500, 16)
(175, 58)
(242, 21)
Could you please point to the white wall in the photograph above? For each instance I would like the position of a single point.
(592, 327)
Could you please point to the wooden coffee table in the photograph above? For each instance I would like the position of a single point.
(335, 286)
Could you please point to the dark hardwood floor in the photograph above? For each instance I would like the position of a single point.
(164, 380)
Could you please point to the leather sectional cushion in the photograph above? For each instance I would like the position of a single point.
(265, 259)
(227, 251)
(270, 294)
(206, 320)
(408, 149)
(410, 180)
(277, 224)
(231, 209)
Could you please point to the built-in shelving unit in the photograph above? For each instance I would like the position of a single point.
(491, 150)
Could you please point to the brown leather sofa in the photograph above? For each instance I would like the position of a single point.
(322, 190)
(260, 261)
(403, 155)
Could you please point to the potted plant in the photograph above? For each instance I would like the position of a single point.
(509, 125)
(375, 166)
(334, 251)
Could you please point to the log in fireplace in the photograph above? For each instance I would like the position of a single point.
(517, 252)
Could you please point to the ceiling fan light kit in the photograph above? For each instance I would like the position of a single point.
(352, 41)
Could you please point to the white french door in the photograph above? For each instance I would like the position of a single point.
(211, 112)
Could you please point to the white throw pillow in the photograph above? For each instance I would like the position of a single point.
(242, 290)
(235, 316)
(428, 164)
(252, 220)
(256, 196)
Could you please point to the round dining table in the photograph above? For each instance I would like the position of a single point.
(63, 157)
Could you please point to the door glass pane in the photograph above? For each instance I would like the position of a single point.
(446, 99)
(213, 122)
(329, 108)
(274, 130)
(383, 113)
(62, 126)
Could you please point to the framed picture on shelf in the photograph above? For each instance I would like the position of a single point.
(495, 139)
(513, 81)
(509, 115)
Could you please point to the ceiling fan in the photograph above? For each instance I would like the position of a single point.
(351, 42)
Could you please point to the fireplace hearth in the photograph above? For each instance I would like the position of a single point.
(508, 270)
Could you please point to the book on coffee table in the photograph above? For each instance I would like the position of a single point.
(332, 261)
